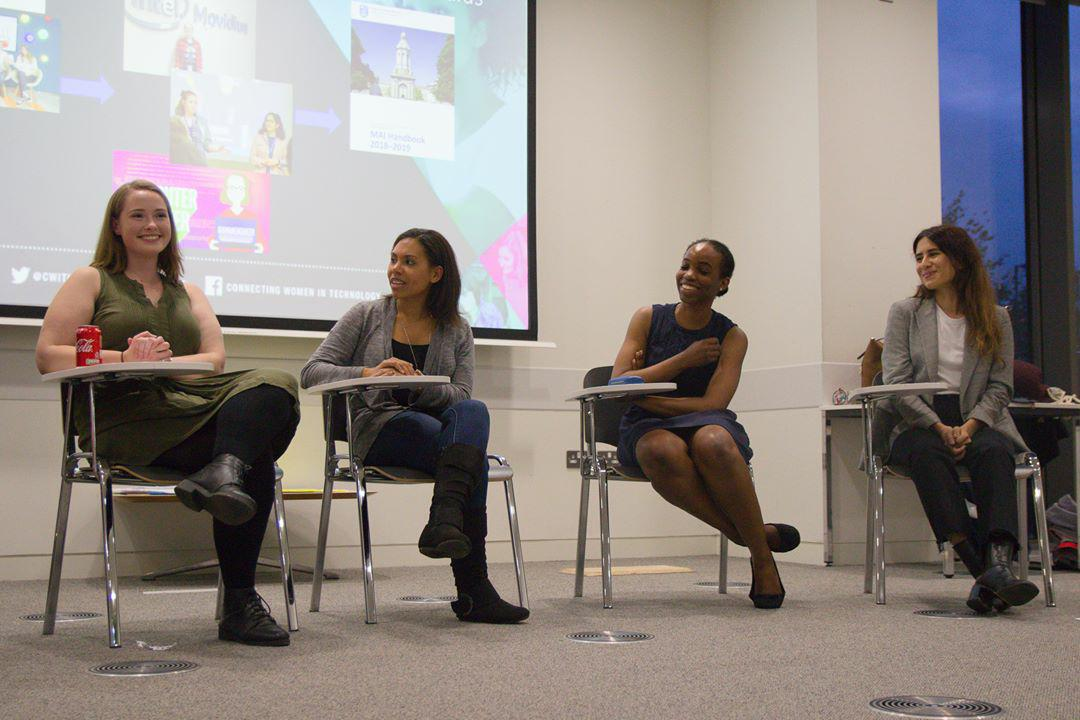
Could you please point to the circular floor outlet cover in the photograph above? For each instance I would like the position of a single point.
(142, 668)
(716, 584)
(427, 599)
(62, 616)
(919, 706)
(607, 637)
(951, 614)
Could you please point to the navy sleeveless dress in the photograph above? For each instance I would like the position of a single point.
(666, 339)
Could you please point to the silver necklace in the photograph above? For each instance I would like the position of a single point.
(408, 341)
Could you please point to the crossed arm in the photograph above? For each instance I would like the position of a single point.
(722, 386)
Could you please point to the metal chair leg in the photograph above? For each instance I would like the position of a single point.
(868, 562)
(59, 537)
(1040, 529)
(879, 533)
(948, 562)
(1022, 529)
(365, 545)
(320, 544)
(112, 600)
(605, 541)
(722, 581)
(515, 541)
(52, 597)
(219, 602)
(285, 558)
(357, 473)
(583, 522)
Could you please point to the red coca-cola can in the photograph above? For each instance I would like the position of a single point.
(87, 345)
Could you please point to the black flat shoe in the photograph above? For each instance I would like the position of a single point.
(789, 537)
(218, 489)
(763, 601)
(246, 619)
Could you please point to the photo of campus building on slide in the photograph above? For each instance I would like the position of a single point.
(402, 84)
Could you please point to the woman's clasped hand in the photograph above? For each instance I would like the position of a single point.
(147, 347)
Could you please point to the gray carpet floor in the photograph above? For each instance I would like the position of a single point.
(825, 654)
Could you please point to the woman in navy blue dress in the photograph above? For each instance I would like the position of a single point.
(688, 443)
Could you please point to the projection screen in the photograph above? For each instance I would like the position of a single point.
(295, 140)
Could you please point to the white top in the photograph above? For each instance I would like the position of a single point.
(951, 337)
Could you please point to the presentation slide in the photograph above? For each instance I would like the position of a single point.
(295, 139)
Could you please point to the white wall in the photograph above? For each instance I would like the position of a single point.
(802, 132)
(826, 162)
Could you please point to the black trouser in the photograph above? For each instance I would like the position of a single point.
(990, 461)
(255, 426)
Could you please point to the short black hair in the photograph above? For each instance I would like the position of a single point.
(727, 260)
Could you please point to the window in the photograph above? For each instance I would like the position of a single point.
(982, 143)
(1074, 128)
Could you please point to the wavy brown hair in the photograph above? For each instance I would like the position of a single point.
(110, 254)
(444, 294)
(974, 292)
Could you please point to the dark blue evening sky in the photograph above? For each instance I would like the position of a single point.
(982, 151)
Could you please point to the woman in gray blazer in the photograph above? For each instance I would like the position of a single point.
(953, 331)
(414, 330)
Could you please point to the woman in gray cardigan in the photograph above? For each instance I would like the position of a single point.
(953, 331)
(414, 330)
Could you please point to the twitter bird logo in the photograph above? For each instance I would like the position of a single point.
(19, 275)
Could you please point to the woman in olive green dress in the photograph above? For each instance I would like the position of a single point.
(225, 430)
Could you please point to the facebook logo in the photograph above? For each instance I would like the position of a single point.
(213, 285)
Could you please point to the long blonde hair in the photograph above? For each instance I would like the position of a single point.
(110, 254)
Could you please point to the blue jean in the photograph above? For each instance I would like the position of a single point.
(415, 439)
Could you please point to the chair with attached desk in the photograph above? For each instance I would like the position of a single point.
(602, 406)
(88, 467)
(1027, 469)
(337, 400)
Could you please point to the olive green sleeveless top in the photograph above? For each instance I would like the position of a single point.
(139, 419)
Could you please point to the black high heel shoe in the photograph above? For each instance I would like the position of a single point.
(762, 601)
(788, 535)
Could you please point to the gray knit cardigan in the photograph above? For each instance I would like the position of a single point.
(361, 338)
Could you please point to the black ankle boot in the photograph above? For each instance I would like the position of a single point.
(246, 619)
(969, 554)
(997, 586)
(459, 471)
(218, 489)
(478, 601)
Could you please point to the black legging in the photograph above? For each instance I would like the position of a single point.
(255, 426)
(991, 463)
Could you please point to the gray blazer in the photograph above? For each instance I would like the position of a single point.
(361, 338)
(911, 355)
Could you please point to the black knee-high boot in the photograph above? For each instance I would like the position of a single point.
(478, 601)
(459, 470)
